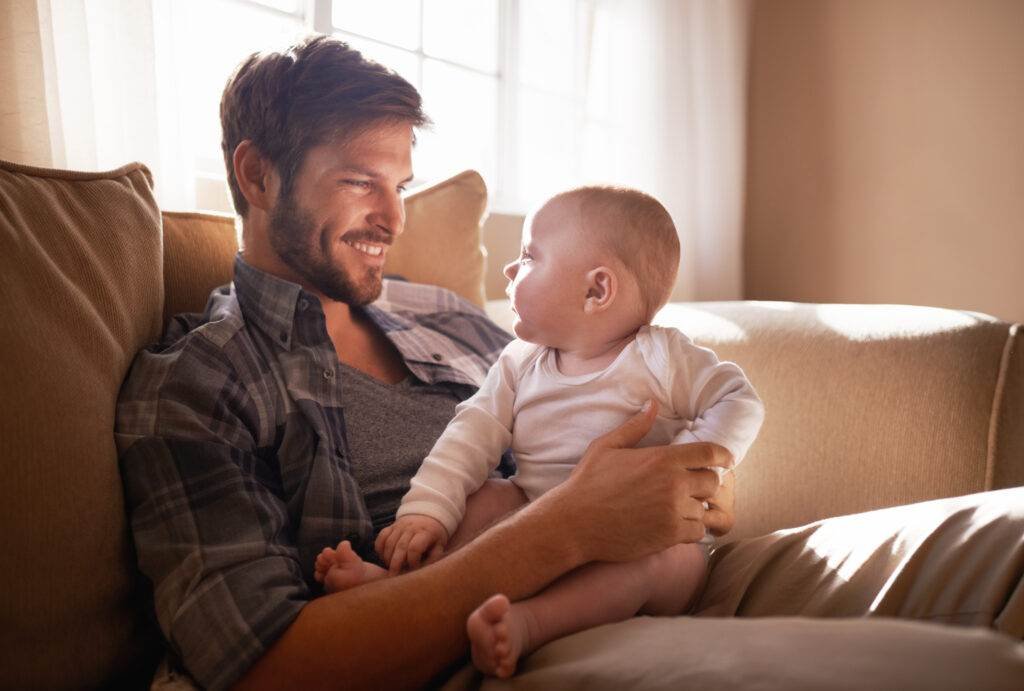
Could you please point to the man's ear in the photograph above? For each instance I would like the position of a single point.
(602, 289)
(254, 174)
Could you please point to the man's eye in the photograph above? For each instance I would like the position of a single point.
(361, 184)
(401, 189)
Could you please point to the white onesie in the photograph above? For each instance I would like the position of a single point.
(548, 419)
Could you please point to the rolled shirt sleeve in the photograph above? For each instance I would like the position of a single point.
(212, 535)
(210, 527)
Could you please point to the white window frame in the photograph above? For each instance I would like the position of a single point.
(317, 16)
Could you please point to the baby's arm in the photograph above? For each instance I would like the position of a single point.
(716, 396)
(461, 460)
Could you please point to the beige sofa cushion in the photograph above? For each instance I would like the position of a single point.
(441, 242)
(199, 252)
(813, 608)
(867, 406)
(81, 293)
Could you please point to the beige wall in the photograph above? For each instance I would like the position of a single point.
(886, 153)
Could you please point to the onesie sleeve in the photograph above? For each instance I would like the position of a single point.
(714, 397)
(469, 448)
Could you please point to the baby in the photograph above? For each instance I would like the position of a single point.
(596, 265)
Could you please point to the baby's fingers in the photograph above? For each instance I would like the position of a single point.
(392, 543)
(397, 560)
(380, 544)
(420, 543)
(436, 553)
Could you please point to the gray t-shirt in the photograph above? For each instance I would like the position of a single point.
(390, 432)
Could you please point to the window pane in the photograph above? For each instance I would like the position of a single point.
(283, 5)
(547, 145)
(392, 21)
(401, 61)
(463, 31)
(463, 106)
(547, 52)
(205, 56)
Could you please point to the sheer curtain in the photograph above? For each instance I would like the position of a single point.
(666, 101)
(97, 91)
(98, 83)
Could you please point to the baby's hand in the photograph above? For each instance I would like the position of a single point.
(407, 540)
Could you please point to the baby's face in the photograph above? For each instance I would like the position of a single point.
(547, 283)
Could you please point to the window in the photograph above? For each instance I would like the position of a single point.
(503, 80)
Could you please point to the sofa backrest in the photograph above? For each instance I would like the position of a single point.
(867, 406)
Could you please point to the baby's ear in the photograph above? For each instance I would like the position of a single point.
(602, 288)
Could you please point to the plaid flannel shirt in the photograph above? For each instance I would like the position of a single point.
(232, 444)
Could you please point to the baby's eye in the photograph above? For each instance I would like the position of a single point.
(525, 258)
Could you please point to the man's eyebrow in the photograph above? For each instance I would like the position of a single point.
(365, 172)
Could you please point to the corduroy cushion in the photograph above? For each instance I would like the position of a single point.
(199, 252)
(441, 242)
(80, 293)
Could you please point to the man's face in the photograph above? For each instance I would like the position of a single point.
(344, 211)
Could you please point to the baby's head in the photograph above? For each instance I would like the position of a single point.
(637, 231)
(604, 251)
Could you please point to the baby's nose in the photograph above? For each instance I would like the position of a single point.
(510, 270)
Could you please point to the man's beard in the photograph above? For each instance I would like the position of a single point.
(293, 233)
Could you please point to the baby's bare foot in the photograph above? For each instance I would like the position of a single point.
(339, 569)
(498, 635)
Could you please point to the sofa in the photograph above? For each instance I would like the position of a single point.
(880, 532)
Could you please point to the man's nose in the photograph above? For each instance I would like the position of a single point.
(389, 213)
(510, 270)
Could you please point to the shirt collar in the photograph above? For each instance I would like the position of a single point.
(269, 302)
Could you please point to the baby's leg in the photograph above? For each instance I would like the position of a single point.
(493, 501)
(341, 568)
(665, 583)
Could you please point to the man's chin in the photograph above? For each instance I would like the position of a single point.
(355, 295)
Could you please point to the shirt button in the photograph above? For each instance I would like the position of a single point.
(328, 374)
(437, 356)
(303, 304)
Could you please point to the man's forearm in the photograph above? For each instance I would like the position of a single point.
(400, 632)
(619, 504)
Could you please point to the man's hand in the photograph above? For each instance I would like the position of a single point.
(624, 503)
(407, 540)
(720, 516)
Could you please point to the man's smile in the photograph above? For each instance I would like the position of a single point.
(374, 250)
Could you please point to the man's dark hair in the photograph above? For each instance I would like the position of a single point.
(317, 90)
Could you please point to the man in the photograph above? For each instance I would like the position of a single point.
(292, 413)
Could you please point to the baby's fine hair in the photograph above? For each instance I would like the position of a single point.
(638, 230)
